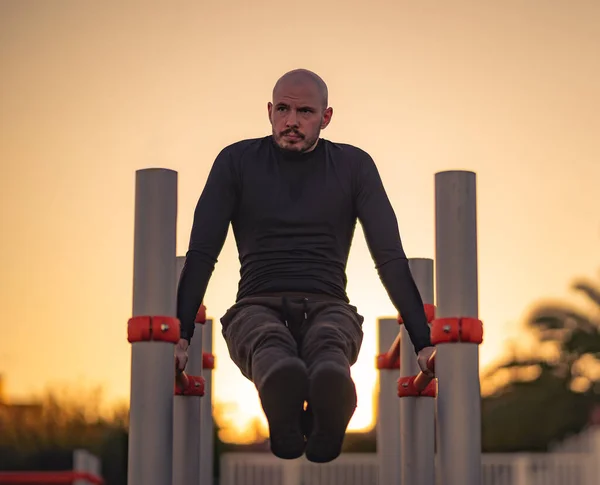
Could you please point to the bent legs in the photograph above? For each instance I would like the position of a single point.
(297, 352)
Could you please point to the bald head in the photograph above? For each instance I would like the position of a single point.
(300, 77)
(299, 110)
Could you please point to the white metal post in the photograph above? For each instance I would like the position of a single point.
(207, 438)
(187, 424)
(457, 363)
(417, 413)
(388, 418)
(152, 368)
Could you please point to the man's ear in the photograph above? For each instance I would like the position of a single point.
(327, 115)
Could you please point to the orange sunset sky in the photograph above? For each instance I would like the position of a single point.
(92, 91)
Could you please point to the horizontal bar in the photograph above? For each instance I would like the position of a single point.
(391, 359)
(421, 379)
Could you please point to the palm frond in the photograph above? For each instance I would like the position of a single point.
(591, 290)
(580, 342)
(560, 317)
(512, 363)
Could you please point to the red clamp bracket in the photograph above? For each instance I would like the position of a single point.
(153, 328)
(421, 384)
(208, 361)
(456, 329)
(429, 313)
(186, 385)
(408, 388)
(201, 315)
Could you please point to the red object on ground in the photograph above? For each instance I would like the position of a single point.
(47, 478)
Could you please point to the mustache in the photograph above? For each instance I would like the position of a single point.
(292, 132)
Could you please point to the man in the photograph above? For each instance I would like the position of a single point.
(293, 200)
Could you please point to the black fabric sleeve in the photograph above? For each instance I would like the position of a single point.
(380, 227)
(212, 217)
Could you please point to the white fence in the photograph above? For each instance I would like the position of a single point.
(561, 468)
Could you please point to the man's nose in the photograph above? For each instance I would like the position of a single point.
(292, 119)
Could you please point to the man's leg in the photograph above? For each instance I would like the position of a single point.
(330, 346)
(263, 348)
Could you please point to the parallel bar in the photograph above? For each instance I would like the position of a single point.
(388, 423)
(457, 364)
(206, 406)
(417, 414)
(186, 415)
(152, 376)
(421, 379)
(390, 359)
(422, 272)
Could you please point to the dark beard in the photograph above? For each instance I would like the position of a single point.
(302, 146)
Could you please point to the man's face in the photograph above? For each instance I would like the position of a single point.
(297, 115)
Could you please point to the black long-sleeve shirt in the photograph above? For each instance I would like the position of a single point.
(293, 218)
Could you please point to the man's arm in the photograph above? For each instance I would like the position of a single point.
(380, 226)
(212, 216)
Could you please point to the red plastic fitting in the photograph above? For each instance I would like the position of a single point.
(153, 328)
(186, 385)
(201, 315)
(408, 388)
(456, 329)
(208, 361)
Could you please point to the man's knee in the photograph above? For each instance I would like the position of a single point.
(332, 340)
(256, 339)
(252, 325)
(271, 335)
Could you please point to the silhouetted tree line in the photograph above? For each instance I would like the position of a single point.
(544, 396)
(43, 436)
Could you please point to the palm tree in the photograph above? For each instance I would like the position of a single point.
(574, 334)
(568, 338)
(558, 383)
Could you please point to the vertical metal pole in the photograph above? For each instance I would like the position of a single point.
(388, 422)
(292, 472)
(95, 465)
(457, 364)
(206, 436)
(417, 414)
(186, 415)
(152, 368)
